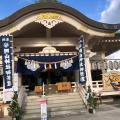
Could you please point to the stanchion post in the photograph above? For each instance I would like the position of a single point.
(43, 103)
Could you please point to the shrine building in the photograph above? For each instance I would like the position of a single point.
(51, 43)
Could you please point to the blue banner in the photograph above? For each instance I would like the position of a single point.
(82, 69)
(6, 46)
(22, 68)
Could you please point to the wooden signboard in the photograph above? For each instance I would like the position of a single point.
(64, 86)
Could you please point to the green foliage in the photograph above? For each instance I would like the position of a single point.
(14, 109)
(91, 99)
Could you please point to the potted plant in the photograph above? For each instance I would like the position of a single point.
(14, 109)
(92, 100)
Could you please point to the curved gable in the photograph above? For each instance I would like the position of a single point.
(59, 7)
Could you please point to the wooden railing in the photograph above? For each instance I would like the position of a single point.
(21, 95)
(82, 92)
(97, 85)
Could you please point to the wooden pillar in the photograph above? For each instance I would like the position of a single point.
(76, 74)
(19, 79)
(88, 73)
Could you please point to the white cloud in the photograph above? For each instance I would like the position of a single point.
(115, 55)
(111, 14)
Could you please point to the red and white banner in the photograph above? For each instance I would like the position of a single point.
(43, 109)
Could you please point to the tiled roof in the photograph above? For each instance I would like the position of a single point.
(57, 7)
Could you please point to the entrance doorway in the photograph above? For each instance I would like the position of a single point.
(51, 76)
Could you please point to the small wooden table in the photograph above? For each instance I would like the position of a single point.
(4, 110)
(64, 86)
(38, 89)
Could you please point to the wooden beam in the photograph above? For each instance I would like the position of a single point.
(34, 42)
(48, 33)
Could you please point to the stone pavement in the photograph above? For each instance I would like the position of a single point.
(106, 111)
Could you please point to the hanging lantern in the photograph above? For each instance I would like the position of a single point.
(94, 66)
(105, 65)
(111, 65)
(55, 66)
(100, 65)
(116, 65)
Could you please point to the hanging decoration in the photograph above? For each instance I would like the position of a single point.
(105, 65)
(34, 65)
(45, 66)
(50, 67)
(100, 65)
(66, 64)
(116, 65)
(94, 66)
(111, 65)
(55, 66)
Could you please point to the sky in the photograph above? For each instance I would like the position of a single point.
(106, 11)
(95, 9)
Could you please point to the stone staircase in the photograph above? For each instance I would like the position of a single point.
(57, 105)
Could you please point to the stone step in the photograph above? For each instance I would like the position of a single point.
(38, 98)
(37, 101)
(65, 104)
(107, 100)
(52, 99)
(49, 109)
(62, 94)
(52, 105)
(31, 107)
(32, 93)
(31, 116)
(57, 105)
(65, 108)
(32, 97)
(56, 96)
(65, 97)
(34, 116)
(64, 100)
(67, 112)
